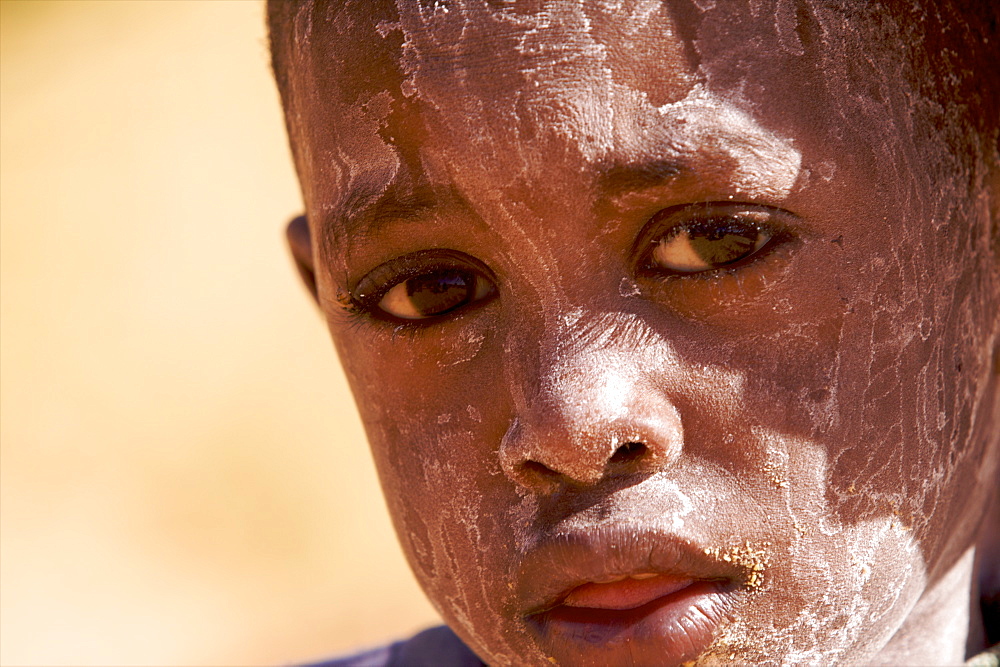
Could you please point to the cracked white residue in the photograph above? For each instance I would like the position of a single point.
(462, 348)
(827, 169)
(675, 515)
(628, 287)
(573, 316)
(850, 433)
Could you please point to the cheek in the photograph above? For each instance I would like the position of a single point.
(913, 384)
(786, 351)
(832, 592)
(434, 418)
(451, 513)
(445, 522)
(832, 585)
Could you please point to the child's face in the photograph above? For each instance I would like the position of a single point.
(781, 403)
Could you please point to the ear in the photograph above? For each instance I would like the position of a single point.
(300, 243)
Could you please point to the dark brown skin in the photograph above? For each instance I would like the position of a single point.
(807, 433)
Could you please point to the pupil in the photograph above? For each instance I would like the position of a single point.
(722, 244)
(438, 292)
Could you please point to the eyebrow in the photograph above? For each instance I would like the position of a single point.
(616, 178)
(370, 206)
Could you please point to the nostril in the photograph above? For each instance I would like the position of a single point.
(628, 452)
(580, 472)
(539, 469)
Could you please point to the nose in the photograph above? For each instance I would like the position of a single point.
(594, 416)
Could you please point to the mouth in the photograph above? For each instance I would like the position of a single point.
(625, 593)
(620, 596)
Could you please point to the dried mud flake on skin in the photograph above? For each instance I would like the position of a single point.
(754, 561)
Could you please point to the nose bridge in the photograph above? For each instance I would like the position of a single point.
(588, 405)
(588, 383)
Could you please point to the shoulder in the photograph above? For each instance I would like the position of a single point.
(437, 647)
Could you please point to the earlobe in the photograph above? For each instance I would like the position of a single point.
(300, 243)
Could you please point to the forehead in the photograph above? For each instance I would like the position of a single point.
(483, 94)
(513, 40)
(495, 49)
(760, 52)
(519, 92)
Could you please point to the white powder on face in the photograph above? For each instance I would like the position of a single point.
(570, 94)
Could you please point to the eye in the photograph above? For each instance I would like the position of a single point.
(708, 237)
(423, 286)
(433, 294)
(705, 246)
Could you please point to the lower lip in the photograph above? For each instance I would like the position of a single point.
(668, 630)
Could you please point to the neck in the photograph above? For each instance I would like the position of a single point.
(987, 599)
(945, 619)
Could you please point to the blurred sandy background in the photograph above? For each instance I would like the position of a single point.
(184, 480)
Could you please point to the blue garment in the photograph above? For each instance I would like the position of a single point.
(436, 647)
(439, 647)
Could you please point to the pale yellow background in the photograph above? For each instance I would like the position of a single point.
(184, 479)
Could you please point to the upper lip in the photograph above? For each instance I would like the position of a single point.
(568, 559)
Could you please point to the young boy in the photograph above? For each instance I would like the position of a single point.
(673, 325)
